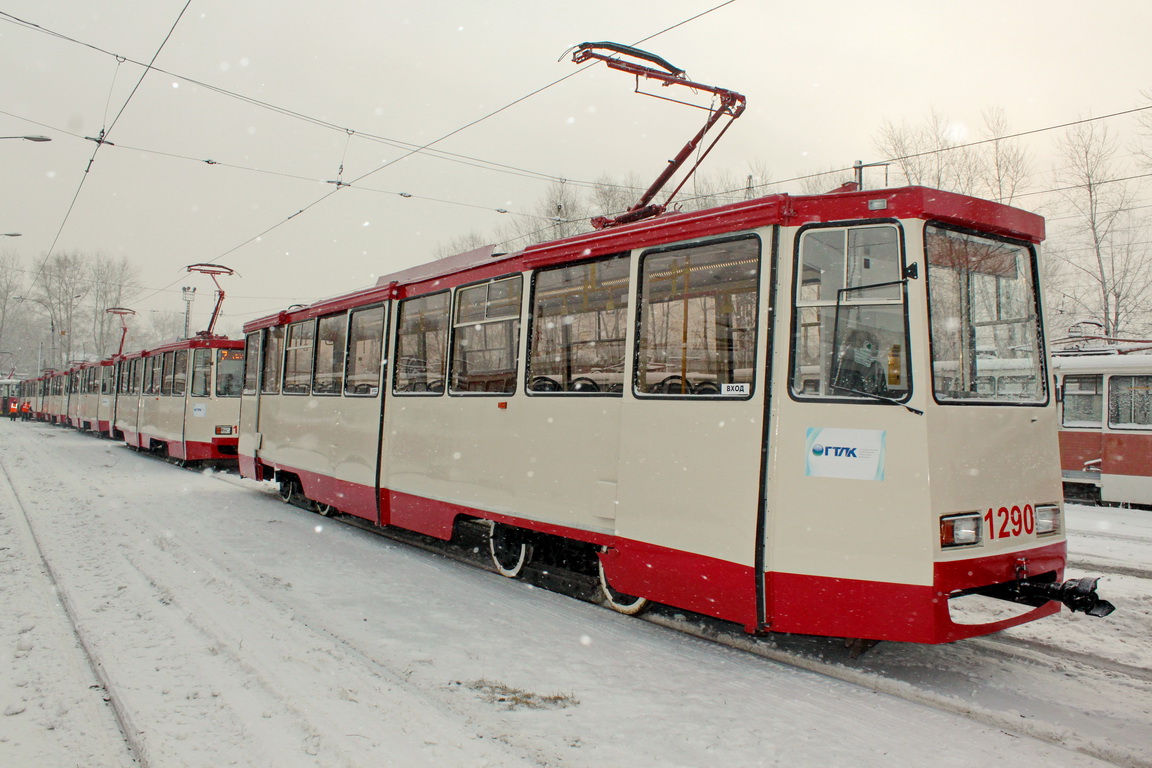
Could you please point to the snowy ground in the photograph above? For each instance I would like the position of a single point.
(160, 617)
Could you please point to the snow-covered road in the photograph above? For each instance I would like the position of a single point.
(161, 617)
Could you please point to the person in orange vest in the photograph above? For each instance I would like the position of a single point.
(26, 411)
(12, 406)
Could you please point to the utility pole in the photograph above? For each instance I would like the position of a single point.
(189, 295)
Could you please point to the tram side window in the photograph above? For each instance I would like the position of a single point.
(486, 336)
(421, 345)
(107, 382)
(1083, 401)
(698, 314)
(180, 372)
(152, 375)
(298, 361)
(201, 372)
(365, 352)
(273, 359)
(1130, 402)
(578, 326)
(849, 331)
(331, 341)
(229, 372)
(169, 379)
(137, 384)
(251, 363)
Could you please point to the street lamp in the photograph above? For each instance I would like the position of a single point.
(10, 234)
(28, 138)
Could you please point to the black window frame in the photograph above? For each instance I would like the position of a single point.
(572, 389)
(650, 396)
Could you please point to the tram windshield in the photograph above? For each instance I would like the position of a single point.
(851, 337)
(984, 320)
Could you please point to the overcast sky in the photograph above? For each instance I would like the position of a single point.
(820, 78)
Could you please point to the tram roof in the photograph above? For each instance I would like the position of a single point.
(485, 263)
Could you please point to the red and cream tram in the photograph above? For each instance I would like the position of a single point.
(56, 397)
(182, 398)
(91, 398)
(10, 392)
(1106, 426)
(773, 412)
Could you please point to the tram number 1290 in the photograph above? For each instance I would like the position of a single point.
(1006, 522)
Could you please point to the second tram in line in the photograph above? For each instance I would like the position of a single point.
(772, 412)
(1106, 427)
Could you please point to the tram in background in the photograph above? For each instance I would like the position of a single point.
(90, 401)
(1106, 426)
(55, 398)
(773, 412)
(9, 391)
(181, 399)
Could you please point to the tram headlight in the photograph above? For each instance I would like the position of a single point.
(963, 530)
(224, 430)
(1047, 519)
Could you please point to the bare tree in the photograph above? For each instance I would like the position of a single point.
(823, 182)
(560, 212)
(114, 283)
(461, 244)
(1113, 266)
(1143, 146)
(157, 326)
(930, 154)
(611, 197)
(11, 286)
(61, 285)
(711, 189)
(1006, 163)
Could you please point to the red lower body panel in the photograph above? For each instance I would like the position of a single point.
(815, 605)
(795, 603)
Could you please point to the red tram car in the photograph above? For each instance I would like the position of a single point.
(774, 412)
(1106, 427)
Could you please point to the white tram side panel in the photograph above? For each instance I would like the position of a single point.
(311, 409)
(1106, 426)
(128, 392)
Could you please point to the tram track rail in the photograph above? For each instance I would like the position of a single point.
(833, 657)
(823, 656)
(1105, 566)
(121, 713)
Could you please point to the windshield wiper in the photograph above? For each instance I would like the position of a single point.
(881, 398)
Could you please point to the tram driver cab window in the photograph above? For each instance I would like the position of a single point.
(849, 330)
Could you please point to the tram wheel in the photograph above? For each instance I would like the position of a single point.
(510, 549)
(326, 510)
(629, 605)
(287, 490)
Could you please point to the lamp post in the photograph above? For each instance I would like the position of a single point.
(28, 138)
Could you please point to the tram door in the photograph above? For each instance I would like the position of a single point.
(692, 431)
